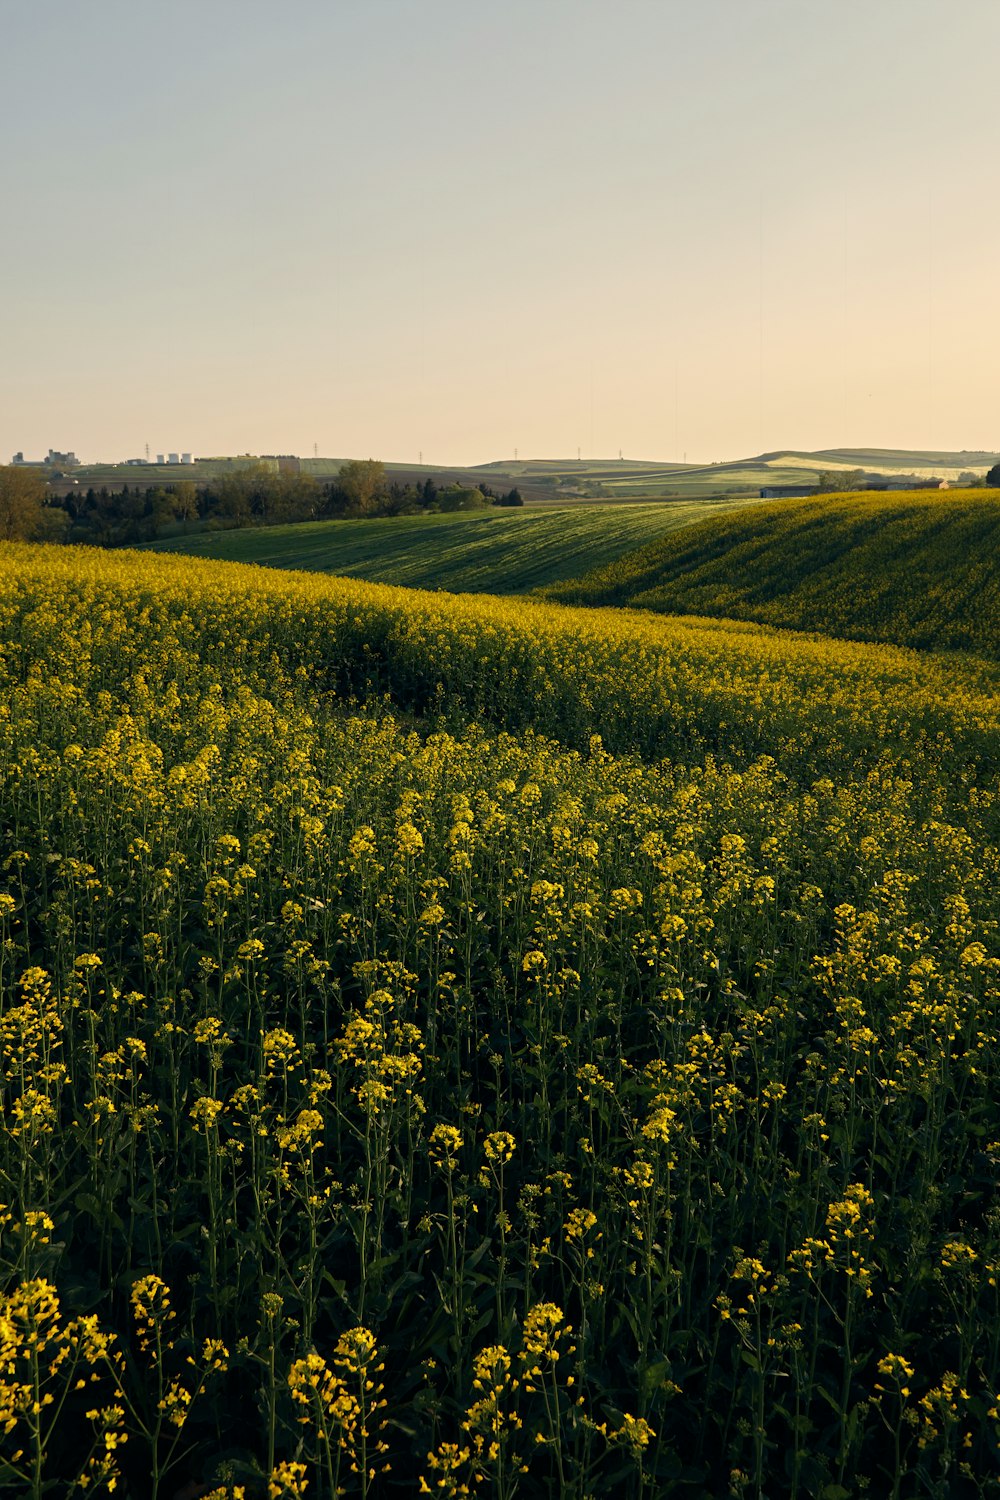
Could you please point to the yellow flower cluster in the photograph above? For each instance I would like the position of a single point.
(593, 1014)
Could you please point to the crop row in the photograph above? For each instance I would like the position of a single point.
(914, 568)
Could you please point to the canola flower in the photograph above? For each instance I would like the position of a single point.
(589, 1019)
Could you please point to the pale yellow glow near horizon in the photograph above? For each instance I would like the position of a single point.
(457, 229)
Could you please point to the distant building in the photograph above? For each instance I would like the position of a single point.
(172, 458)
(58, 460)
(160, 459)
(132, 462)
(904, 482)
(186, 458)
(786, 491)
(18, 458)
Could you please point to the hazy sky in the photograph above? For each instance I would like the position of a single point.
(710, 227)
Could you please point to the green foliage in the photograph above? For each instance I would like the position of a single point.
(22, 502)
(362, 481)
(455, 497)
(255, 494)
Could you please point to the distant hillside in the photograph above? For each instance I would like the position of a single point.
(551, 481)
(913, 568)
(633, 479)
(496, 551)
(908, 458)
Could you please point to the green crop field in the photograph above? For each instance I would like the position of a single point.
(480, 1047)
(496, 551)
(917, 569)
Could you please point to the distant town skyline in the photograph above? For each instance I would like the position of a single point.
(457, 230)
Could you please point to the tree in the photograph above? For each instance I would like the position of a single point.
(993, 477)
(363, 484)
(838, 481)
(22, 500)
(296, 498)
(242, 494)
(184, 501)
(458, 498)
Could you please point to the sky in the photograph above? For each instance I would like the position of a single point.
(458, 228)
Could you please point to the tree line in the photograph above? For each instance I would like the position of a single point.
(256, 495)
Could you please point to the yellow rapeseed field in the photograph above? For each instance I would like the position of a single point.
(475, 1047)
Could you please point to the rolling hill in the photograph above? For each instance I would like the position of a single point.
(631, 479)
(496, 551)
(911, 568)
(568, 481)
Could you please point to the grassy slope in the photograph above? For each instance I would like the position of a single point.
(495, 551)
(914, 568)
